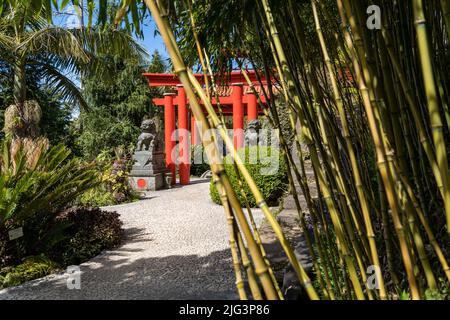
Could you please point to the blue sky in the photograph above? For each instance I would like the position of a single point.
(151, 41)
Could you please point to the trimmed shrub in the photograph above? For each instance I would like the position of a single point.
(268, 169)
(91, 231)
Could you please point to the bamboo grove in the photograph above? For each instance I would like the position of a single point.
(377, 144)
(372, 107)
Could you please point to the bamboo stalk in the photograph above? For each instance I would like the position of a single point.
(433, 105)
(380, 151)
(351, 152)
(304, 279)
(181, 71)
(233, 246)
(445, 4)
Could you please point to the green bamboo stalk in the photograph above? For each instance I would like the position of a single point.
(433, 105)
(181, 71)
(387, 237)
(412, 198)
(427, 146)
(379, 147)
(273, 119)
(332, 154)
(304, 279)
(327, 194)
(445, 4)
(275, 122)
(351, 152)
(233, 245)
(199, 47)
(249, 211)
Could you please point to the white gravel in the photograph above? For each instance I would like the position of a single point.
(176, 247)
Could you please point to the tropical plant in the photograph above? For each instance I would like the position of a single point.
(29, 40)
(35, 184)
(56, 113)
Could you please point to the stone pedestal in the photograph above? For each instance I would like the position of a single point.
(149, 172)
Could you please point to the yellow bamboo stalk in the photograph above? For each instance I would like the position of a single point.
(433, 104)
(218, 169)
(314, 157)
(233, 245)
(351, 152)
(386, 177)
(303, 277)
(199, 47)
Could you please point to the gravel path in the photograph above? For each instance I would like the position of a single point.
(176, 247)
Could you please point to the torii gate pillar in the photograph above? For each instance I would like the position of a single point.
(238, 115)
(169, 132)
(183, 136)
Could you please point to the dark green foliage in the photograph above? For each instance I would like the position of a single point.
(272, 186)
(86, 233)
(91, 231)
(116, 108)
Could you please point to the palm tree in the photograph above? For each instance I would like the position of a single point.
(27, 40)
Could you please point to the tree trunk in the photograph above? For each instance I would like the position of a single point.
(20, 125)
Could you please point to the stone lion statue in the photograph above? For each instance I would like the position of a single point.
(253, 136)
(148, 139)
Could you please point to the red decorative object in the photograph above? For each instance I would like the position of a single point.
(141, 183)
(236, 99)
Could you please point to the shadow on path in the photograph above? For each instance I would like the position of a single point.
(112, 275)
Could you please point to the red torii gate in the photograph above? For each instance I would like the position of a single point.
(234, 94)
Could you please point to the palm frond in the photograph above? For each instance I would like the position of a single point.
(63, 85)
(54, 40)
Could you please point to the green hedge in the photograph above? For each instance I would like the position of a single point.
(272, 186)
